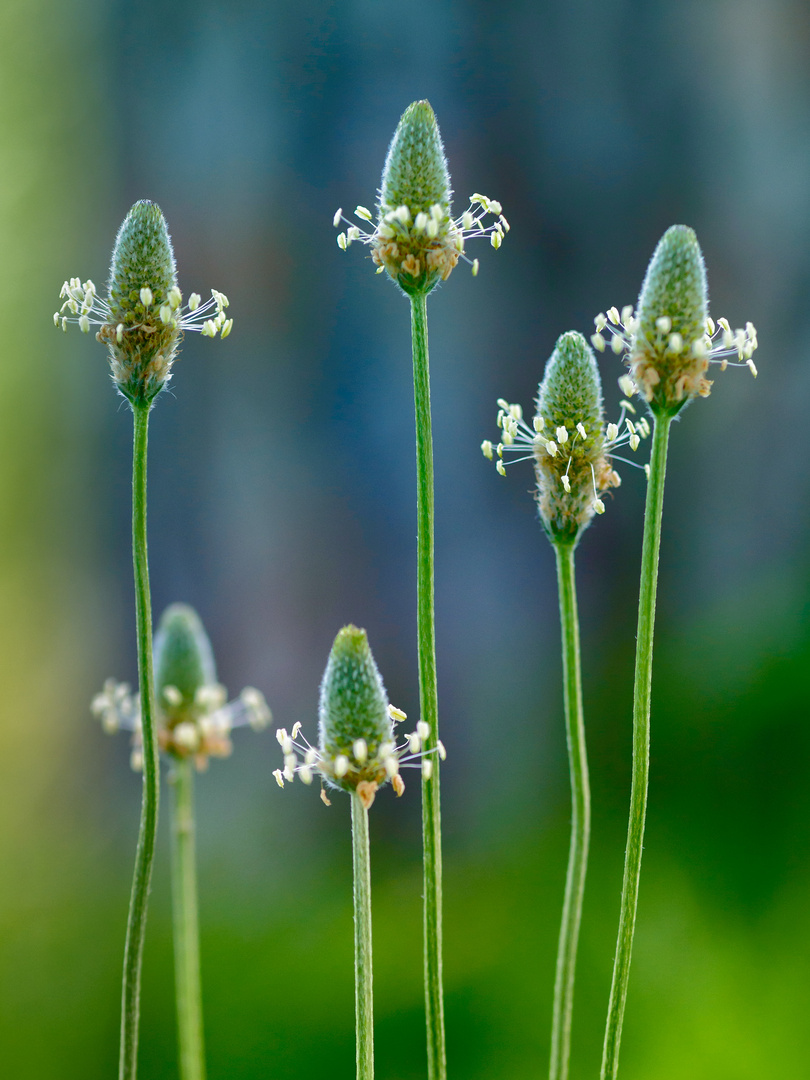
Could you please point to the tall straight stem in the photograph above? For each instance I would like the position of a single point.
(580, 815)
(136, 923)
(426, 636)
(186, 930)
(641, 745)
(363, 996)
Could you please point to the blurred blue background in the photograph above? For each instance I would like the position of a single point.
(282, 506)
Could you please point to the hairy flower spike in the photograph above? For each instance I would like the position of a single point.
(194, 717)
(142, 320)
(670, 341)
(573, 471)
(357, 748)
(416, 239)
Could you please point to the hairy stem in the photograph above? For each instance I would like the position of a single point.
(136, 923)
(580, 816)
(426, 634)
(186, 931)
(641, 745)
(363, 996)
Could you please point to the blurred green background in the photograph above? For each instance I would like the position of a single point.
(281, 507)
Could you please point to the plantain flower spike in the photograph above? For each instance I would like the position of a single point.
(568, 441)
(143, 318)
(670, 340)
(194, 718)
(357, 749)
(416, 239)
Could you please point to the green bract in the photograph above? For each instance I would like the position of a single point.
(668, 358)
(354, 706)
(569, 403)
(415, 173)
(184, 658)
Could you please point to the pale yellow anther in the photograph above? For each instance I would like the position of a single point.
(363, 212)
(475, 265)
(227, 326)
(581, 430)
(279, 778)
(627, 314)
(423, 730)
(566, 483)
(752, 367)
(504, 223)
(598, 506)
(627, 386)
(496, 240)
(710, 327)
(337, 217)
(600, 322)
(562, 435)
(598, 342)
(194, 301)
(612, 432)
(305, 773)
(403, 215)
(397, 715)
(617, 344)
(427, 769)
(664, 324)
(166, 314)
(486, 449)
(360, 751)
(551, 447)
(436, 212)
(675, 343)
(421, 222)
(146, 296)
(441, 749)
(84, 324)
(499, 467)
(341, 765)
(414, 742)
(634, 441)
(539, 423)
(613, 315)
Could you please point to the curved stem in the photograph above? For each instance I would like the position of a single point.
(641, 744)
(136, 923)
(426, 635)
(363, 998)
(580, 816)
(186, 931)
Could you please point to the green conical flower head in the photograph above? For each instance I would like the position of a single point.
(184, 658)
(353, 706)
(142, 257)
(415, 173)
(142, 277)
(675, 287)
(668, 354)
(571, 390)
(569, 450)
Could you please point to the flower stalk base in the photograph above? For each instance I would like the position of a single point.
(136, 924)
(580, 815)
(641, 744)
(426, 634)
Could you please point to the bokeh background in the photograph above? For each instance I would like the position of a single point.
(282, 507)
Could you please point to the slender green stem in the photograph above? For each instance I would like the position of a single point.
(186, 931)
(580, 816)
(136, 923)
(641, 745)
(363, 996)
(426, 635)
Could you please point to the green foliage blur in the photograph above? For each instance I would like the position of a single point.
(282, 507)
